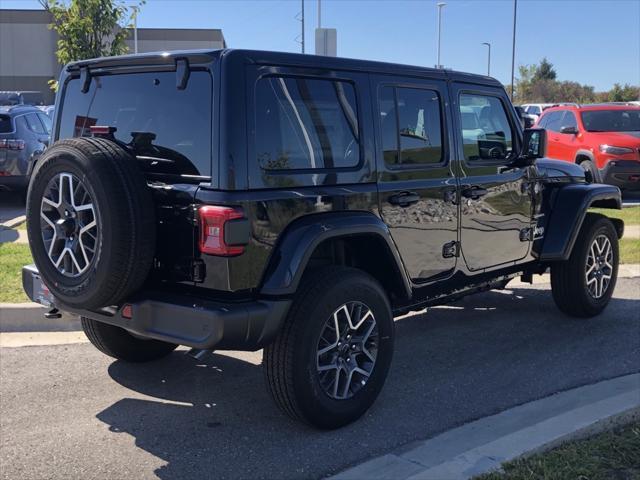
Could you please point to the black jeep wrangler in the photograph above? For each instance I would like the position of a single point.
(244, 200)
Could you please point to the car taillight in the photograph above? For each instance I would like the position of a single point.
(222, 230)
(12, 144)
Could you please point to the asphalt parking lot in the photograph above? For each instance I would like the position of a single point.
(70, 412)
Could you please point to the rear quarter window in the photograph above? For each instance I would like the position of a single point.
(150, 113)
(306, 124)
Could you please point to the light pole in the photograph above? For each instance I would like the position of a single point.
(513, 48)
(440, 5)
(488, 57)
(135, 9)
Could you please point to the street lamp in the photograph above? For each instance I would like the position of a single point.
(513, 48)
(439, 5)
(135, 9)
(488, 57)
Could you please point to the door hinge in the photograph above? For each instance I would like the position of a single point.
(451, 249)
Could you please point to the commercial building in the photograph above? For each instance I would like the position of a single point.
(27, 48)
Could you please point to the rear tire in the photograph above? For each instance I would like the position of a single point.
(301, 379)
(118, 343)
(576, 290)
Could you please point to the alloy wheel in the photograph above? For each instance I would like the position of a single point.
(69, 226)
(347, 350)
(599, 268)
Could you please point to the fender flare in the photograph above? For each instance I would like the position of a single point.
(586, 153)
(569, 208)
(297, 243)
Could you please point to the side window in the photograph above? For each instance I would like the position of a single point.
(534, 110)
(569, 120)
(543, 120)
(411, 127)
(486, 132)
(34, 124)
(304, 123)
(554, 122)
(46, 121)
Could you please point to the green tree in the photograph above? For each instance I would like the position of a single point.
(544, 71)
(626, 93)
(90, 28)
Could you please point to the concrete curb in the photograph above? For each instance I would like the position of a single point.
(485, 444)
(29, 317)
(14, 222)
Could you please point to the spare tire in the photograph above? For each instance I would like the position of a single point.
(91, 222)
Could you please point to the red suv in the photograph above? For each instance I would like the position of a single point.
(604, 139)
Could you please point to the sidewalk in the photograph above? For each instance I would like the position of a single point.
(485, 444)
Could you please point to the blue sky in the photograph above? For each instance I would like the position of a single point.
(596, 42)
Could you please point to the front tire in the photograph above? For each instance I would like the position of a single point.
(331, 358)
(116, 342)
(591, 171)
(582, 286)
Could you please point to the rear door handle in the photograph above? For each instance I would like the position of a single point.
(474, 193)
(404, 199)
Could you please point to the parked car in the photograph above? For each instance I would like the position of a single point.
(24, 134)
(526, 120)
(48, 109)
(298, 207)
(23, 97)
(604, 139)
(534, 110)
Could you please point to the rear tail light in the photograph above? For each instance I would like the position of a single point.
(12, 144)
(223, 230)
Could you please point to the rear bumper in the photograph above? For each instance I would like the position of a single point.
(183, 320)
(624, 174)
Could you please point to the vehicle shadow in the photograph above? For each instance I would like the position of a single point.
(8, 235)
(213, 417)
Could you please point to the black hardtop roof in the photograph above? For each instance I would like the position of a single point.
(278, 58)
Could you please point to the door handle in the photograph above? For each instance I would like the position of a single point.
(404, 199)
(474, 193)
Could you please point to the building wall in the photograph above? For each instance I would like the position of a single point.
(27, 52)
(27, 48)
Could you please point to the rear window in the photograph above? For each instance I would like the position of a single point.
(304, 123)
(5, 124)
(150, 113)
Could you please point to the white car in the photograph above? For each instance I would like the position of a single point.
(534, 110)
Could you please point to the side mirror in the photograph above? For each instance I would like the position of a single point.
(534, 145)
(569, 130)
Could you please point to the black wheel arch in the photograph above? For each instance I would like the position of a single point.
(569, 208)
(585, 155)
(305, 240)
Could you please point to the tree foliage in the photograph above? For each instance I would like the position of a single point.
(90, 28)
(539, 84)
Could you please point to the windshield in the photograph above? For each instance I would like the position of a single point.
(612, 120)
